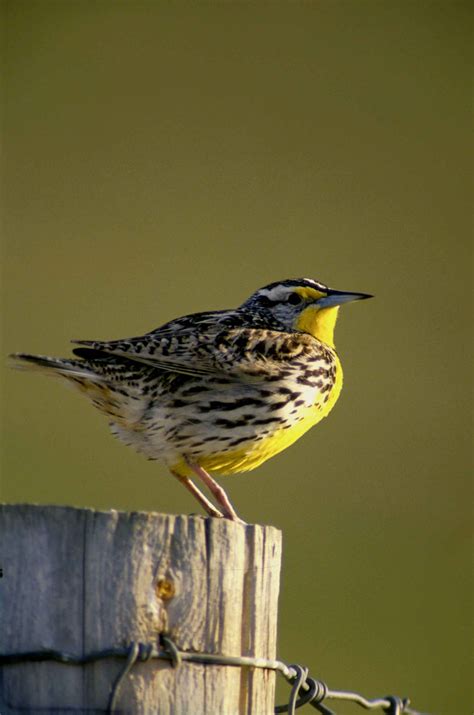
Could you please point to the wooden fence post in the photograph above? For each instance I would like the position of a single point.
(80, 580)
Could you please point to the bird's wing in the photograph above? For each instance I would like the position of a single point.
(206, 348)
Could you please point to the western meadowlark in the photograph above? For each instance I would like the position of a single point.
(219, 391)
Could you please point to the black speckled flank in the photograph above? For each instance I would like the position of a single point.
(214, 406)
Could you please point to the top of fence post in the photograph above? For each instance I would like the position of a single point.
(80, 580)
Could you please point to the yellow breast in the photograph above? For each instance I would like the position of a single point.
(251, 454)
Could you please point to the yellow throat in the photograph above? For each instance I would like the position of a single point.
(319, 323)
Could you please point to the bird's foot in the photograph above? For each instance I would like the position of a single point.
(228, 511)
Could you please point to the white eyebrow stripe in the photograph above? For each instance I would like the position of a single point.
(315, 284)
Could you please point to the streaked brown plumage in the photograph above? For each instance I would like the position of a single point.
(220, 391)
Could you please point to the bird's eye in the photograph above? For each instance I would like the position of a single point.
(294, 299)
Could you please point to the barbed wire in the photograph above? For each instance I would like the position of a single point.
(305, 690)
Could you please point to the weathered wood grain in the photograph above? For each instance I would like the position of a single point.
(81, 580)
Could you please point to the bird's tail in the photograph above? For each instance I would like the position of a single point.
(59, 367)
(90, 380)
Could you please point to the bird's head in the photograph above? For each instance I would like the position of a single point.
(302, 304)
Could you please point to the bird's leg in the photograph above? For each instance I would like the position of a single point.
(222, 499)
(197, 493)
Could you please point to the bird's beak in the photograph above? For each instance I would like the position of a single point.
(338, 297)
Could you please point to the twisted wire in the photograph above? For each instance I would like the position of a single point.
(305, 690)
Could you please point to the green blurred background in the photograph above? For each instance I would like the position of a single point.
(165, 158)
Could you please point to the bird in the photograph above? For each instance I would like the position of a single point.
(217, 391)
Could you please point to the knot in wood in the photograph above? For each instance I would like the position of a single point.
(165, 589)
